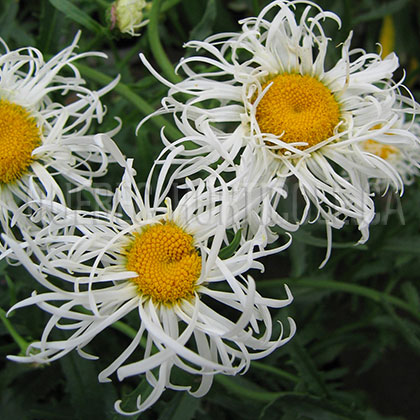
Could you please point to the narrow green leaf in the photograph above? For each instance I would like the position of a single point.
(19, 340)
(181, 407)
(355, 289)
(17, 390)
(50, 414)
(141, 104)
(47, 26)
(12, 290)
(70, 10)
(230, 249)
(298, 258)
(411, 294)
(402, 245)
(129, 400)
(168, 4)
(374, 268)
(205, 27)
(309, 239)
(303, 404)
(316, 408)
(3, 266)
(235, 386)
(7, 18)
(379, 12)
(90, 399)
(403, 327)
(275, 371)
(306, 368)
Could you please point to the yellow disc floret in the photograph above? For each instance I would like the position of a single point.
(298, 108)
(19, 136)
(166, 261)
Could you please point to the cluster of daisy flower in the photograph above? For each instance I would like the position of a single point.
(266, 110)
(262, 113)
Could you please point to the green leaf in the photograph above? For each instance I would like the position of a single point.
(228, 404)
(309, 239)
(90, 399)
(373, 415)
(12, 289)
(404, 328)
(129, 400)
(48, 26)
(411, 294)
(50, 414)
(128, 93)
(315, 408)
(374, 268)
(298, 258)
(70, 10)
(378, 12)
(306, 368)
(302, 405)
(7, 18)
(204, 28)
(19, 340)
(26, 390)
(182, 407)
(230, 249)
(401, 245)
(10, 27)
(11, 400)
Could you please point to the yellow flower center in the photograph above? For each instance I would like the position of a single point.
(301, 107)
(19, 136)
(384, 151)
(167, 263)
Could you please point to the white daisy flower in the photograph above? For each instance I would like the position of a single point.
(196, 311)
(404, 158)
(265, 104)
(40, 138)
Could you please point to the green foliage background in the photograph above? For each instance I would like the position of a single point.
(355, 355)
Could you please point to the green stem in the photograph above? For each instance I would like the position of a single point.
(128, 331)
(256, 7)
(355, 289)
(120, 326)
(275, 371)
(115, 51)
(391, 284)
(156, 46)
(133, 51)
(124, 328)
(95, 41)
(143, 106)
(19, 340)
(169, 4)
(12, 289)
(105, 4)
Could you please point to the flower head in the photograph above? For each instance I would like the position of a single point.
(41, 138)
(403, 158)
(269, 110)
(128, 16)
(196, 311)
